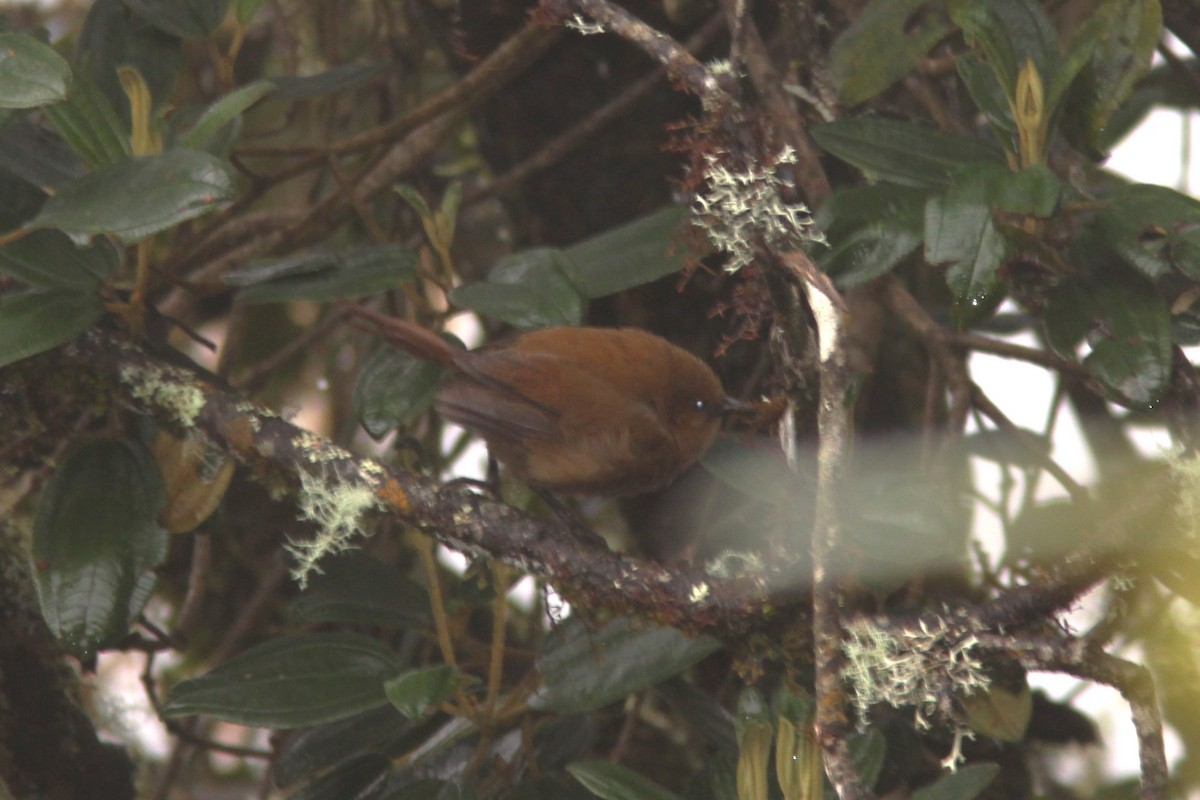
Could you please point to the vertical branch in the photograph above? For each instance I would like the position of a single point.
(833, 425)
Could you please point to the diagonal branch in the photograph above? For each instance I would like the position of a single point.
(286, 457)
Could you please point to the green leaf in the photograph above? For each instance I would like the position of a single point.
(527, 290)
(321, 747)
(113, 37)
(960, 230)
(627, 256)
(356, 779)
(358, 589)
(870, 230)
(1115, 46)
(31, 73)
(1130, 330)
(585, 669)
(883, 45)
(87, 122)
(49, 260)
(867, 752)
(291, 682)
(187, 19)
(224, 111)
(33, 322)
(1154, 229)
(614, 782)
(309, 86)
(326, 276)
(96, 541)
(965, 784)
(417, 692)
(37, 156)
(988, 95)
(139, 197)
(901, 152)
(1008, 33)
(393, 389)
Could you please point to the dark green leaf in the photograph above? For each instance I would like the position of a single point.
(87, 122)
(291, 682)
(22, 201)
(1130, 335)
(357, 779)
(33, 322)
(113, 36)
(1008, 33)
(50, 260)
(870, 230)
(139, 197)
(319, 748)
(585, 669)
(988, 95)
(867, 752)
(31, 73)
(901, 152)
(417, 692)
(614, 782)
(965, 784)
(344, 77)
(187, 19)
(359, 589)
(326, 276)
(883, 44)
(223, 112)
(1115, 45)
(1154, 229)
(37, 155)
(959, 230)
(96, 541)
(627, 256)
(544, 297)
(393, 389)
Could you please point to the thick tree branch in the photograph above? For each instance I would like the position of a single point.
(281, 455)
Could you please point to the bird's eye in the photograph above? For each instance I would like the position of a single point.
(700, 406)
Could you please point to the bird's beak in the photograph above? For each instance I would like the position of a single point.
(733, 405)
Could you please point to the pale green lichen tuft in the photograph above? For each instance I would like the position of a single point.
(740, 208)
(922, 667)
(583, 26)
(168, 388)
(337, 508)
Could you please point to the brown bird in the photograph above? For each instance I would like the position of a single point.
(599, 411)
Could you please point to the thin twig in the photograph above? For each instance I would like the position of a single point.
(990, 410)
(681, 64)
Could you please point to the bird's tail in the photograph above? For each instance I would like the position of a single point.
(403, 335)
